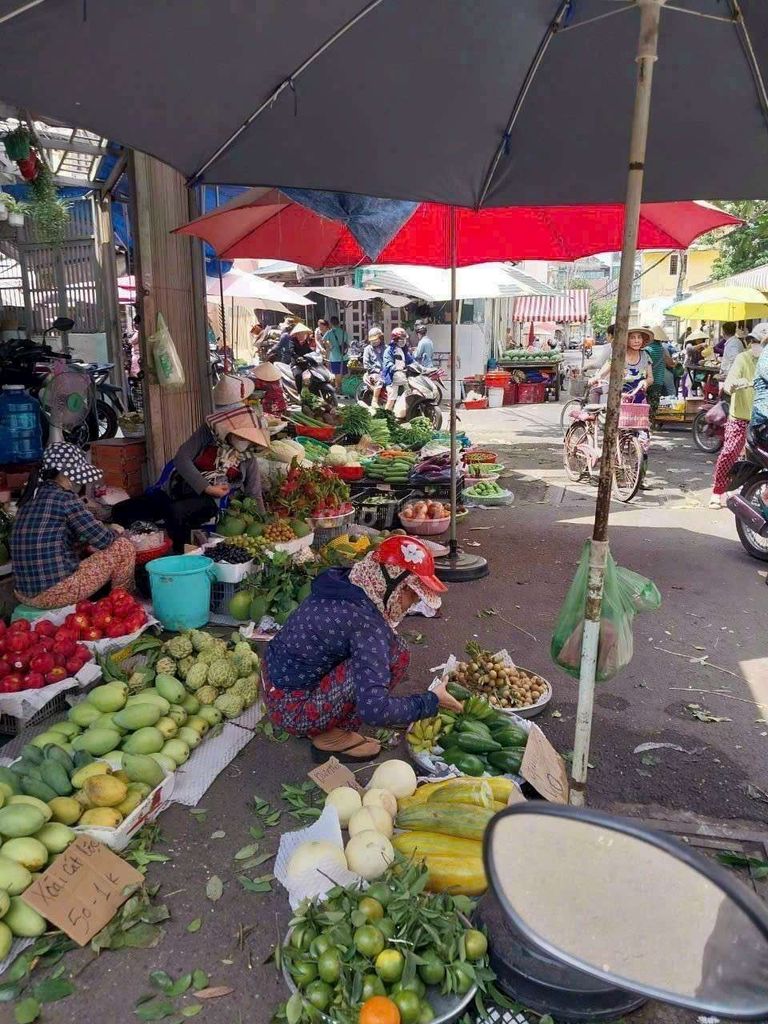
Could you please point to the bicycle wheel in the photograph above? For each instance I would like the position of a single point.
(565, 413)
(575, 442)
(628, 471)
(704, 437)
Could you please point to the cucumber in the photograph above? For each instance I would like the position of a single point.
(461, 693)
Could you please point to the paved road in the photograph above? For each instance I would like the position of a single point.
(714, 605)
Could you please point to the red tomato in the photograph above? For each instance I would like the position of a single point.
(5, 668)
(20, 626)
(44, 627)
(17, 642)
(85, 607)
(65, 647)
(93, 634)
(13, 683)
(34, 681)
(116, 629)
(42, 662)
(55, 675)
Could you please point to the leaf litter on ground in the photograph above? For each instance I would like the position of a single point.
(758, 868)
(703, 715)
(214, 888)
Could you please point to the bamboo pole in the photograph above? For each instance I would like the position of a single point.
(647, 53)
(453, 543)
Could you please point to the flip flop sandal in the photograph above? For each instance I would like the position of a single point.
(344, 746)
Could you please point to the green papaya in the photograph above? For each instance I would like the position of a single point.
(507, 760)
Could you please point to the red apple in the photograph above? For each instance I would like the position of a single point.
(42, 662)
(64, 633)
(102, 619)
(66, 647)
(85, 607)
(93, 634)
(44, 627)
(19, 661)
(5, 668)
(20, 626)
(116, 629)
(74, 664)
(13, 683)
(34, 681)
(55, 675)
(17, 642)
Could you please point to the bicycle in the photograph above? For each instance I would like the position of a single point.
(583, 447)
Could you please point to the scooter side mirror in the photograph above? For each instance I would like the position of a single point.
(632, 907)
(63, 324)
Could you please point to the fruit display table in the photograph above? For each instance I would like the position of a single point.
(537, 361)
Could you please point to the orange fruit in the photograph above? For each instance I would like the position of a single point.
(379, 1010)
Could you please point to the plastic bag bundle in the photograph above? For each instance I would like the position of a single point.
(165, 358)
(624, 593)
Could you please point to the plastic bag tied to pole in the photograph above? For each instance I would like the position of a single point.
(624, 593)
(165, 357)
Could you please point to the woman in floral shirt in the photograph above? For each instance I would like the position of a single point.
(333, 664)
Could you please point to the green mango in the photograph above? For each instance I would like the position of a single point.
(142, 768)
(138, 716)
(170, 688)
(144, 741)
(97, 741)
(108, 698)
(83, 714)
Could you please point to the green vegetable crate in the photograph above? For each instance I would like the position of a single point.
(379, 508)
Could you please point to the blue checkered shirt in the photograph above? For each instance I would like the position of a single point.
(46, 535)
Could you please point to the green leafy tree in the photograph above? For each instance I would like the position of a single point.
(602, 313)
(744, 247)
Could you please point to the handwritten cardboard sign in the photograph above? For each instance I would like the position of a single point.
(544, 768)
(333, 774)
(83, 889)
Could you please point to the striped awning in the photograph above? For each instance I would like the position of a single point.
(569, 307)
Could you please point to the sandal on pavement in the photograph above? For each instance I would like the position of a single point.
(345, 746)
(715, 502)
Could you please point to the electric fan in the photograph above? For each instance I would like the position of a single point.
(66, 400)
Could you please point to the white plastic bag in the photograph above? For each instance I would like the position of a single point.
(165, 358)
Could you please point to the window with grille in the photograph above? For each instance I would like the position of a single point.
(673, 264)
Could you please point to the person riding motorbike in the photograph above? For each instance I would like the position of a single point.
(396, 358)
(302, 338)
(373, 362)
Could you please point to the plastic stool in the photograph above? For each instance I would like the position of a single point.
(25, 611)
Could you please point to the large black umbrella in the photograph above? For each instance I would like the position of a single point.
(466, 102)
(472, 102)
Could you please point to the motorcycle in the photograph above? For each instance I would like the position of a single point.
(109, 398)
(421, 396)
(648, 918)
(749, 476)
(315, 377)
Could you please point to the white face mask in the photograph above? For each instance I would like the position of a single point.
(756, 347)
(238, 443)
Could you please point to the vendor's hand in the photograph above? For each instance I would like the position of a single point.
(116, 527)
(216, 491)
(444, 699)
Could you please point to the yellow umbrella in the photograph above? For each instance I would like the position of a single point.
(728, 302)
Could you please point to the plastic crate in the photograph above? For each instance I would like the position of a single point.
(57, 706)
(531, 394)
(510, 393)
(380, 516)
(221, 595)
(481, 403)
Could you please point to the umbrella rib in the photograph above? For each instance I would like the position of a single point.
(553, 28)
(285, 84)
(752, 59)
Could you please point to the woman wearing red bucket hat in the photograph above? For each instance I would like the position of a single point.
(333, 664)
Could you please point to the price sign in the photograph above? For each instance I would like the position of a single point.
(83, 889)
(332, 774)
(544, 768)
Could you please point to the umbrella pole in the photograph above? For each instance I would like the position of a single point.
(223, 318)
(456, 566)
(650, 13)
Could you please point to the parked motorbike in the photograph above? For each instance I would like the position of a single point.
(421, 396)
(315, 377)
(109, 398)
(750, 475)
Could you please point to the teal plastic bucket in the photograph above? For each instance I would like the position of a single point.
(181, 590)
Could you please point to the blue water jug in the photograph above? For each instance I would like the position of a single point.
(20, 434)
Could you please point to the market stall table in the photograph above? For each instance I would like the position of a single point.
(540, 362)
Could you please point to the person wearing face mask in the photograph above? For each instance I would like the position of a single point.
(52, 528)
(333, 665)
(218, 459)
(739, 386)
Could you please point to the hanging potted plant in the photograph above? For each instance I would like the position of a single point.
(16, 210)
(17, 143)
(49, 213)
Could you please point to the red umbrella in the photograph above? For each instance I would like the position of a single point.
(266, 223)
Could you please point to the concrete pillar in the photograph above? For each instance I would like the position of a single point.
(169, 280)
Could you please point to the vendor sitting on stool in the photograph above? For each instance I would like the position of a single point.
(52, 526)
(217, 459)
(333, 664)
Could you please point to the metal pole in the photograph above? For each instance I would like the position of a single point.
(452, 543)
(647, 52)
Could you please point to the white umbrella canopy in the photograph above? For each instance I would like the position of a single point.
(254, 290)
(433, 284)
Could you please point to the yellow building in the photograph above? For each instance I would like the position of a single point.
(662, 269)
